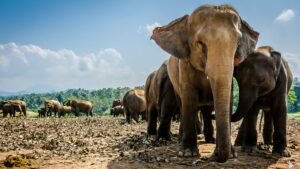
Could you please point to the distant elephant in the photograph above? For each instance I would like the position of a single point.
(52, 106)
(161, 102)
(42, 112)
(19, 105)
(134, 104)
(209, 43)
(66, 110)
(117, 102)
(81, 106)
(117, 110)
(11, 108)
(264, 80)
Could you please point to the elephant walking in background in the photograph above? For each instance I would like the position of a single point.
(264, 80)
(42, 112)
(161, 102)
(117, 102)
(80, 106)
(210, 41)
(117, 110)
(15, 105)
(66, 110)
(52, 106)
(134, 104)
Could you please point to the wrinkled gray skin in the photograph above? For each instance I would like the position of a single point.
(212, 40)
(134, 105)
(81, 106)
(264, 80)
(52, 106)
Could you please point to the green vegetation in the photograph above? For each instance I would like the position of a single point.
(295, 116)
(101, 98)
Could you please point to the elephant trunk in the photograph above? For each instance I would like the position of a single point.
(245, 103)
(219, 69)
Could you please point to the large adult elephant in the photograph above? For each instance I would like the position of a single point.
(52, 106)
(80, 106)
(212, 40)
(159, 94)
(134, 104)
(18, 105)
(264, 80)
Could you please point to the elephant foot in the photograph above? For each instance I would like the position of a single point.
(249, 149)
(188, 152)
(165, 135)
(152, 138)
(233, 152)
(283, 153)
(263, 146)
(210, 140)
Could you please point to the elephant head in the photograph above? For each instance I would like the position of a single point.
(256, 77)
(213, 39)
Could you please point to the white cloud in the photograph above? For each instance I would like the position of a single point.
(147, 30)
(285, 15)
(294, 62)
(27, 66)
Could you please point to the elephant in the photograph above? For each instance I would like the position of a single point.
(19, 105)
(65, 110)
(205, 101)
(42, 112)
(117, 102)
(81, 106)
(264, 80)
(210, 41)
(134, 105)
(11, 108)
(52, 106)
(160, 102)
(117, 110)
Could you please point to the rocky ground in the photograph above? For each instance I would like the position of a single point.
(108, 142)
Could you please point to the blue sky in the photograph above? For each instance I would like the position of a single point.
(109, 41)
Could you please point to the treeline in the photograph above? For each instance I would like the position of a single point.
(101, 98)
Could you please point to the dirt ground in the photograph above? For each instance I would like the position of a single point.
(108, 142)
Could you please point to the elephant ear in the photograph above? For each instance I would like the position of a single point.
(173, 37)
(247, 42)
(276, 56)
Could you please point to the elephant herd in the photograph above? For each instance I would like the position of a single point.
(208, 48)
(50, 107)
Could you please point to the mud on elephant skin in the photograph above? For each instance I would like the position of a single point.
(80, 106)
(211, 40)
(161, 103)
(134, 105)
(264, 80)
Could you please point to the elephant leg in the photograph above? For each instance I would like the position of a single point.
(189, 102)
(250, 141)
(268, 128)
(152, 121)
(128, 116)
(199, 123)
(208, 126)
(77, 112)
(135, 116)
(241, 135)
(167, 109)
(279, 110)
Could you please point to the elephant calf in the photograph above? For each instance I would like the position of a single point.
(117, 110)
(64, 110)
(42, 112)
(264, 80)
(134, 104)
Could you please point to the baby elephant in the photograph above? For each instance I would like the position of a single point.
(42, 112)
(264, 80)
(117, 110)
(65, 110)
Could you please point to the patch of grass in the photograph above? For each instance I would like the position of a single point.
(295, 116)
